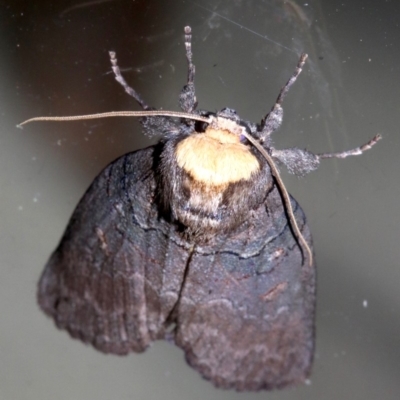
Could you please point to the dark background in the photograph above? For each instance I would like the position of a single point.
(54, 61)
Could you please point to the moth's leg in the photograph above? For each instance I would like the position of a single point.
(120, 79)
(300, 162)
(354, 152)
(297, 161)
(187, 98)
(273, 120)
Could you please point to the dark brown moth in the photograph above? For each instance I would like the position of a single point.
(194, 240)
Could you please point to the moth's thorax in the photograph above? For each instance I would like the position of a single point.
(212, 180)
(216, 158)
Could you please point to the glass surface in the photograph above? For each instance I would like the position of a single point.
(54, 61)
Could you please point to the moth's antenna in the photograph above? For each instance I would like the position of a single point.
(150, 113)
(284, 192)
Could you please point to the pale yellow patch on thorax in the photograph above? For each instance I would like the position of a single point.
(216, 157)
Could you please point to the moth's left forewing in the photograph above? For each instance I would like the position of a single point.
(246, 313)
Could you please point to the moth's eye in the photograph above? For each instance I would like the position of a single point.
(200, 126)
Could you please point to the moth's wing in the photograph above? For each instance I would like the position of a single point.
(117, 272)
(245, 318)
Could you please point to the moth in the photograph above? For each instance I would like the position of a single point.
(194, 240)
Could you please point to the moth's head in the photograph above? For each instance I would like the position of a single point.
(218, 156)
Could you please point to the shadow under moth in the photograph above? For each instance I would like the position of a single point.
(197, 241)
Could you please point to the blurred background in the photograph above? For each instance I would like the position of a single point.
(54, 61)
